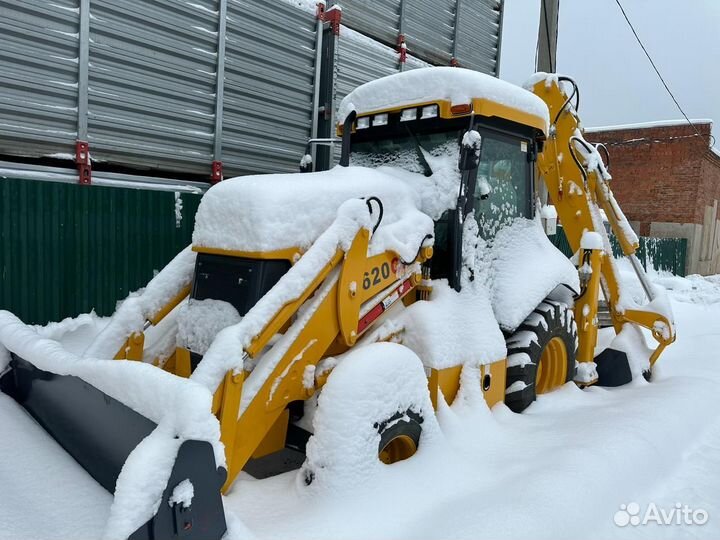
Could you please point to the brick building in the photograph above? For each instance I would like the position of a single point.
(666, 178)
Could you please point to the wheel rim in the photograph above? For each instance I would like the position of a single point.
(399, 448)
(551, 369)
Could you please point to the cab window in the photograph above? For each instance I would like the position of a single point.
(502, 190)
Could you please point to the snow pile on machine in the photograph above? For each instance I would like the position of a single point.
(521, 254)
(268, 213)
(344, 450)
(458, 86)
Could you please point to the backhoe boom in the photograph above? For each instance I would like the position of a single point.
(578, 184)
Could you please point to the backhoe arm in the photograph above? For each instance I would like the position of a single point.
(578, 185)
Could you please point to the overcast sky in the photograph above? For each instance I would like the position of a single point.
(617, 83)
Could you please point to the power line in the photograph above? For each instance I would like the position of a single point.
(642, 46)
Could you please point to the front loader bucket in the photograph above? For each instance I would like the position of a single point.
(100, 432)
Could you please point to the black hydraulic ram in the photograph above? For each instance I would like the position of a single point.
(99, 432)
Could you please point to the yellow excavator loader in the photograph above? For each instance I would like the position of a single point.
(291, 275)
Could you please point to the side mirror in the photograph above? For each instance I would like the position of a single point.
(470, 152)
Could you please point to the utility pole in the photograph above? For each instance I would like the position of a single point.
(547, 61)
(547, 36)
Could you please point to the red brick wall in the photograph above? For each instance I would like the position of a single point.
(710, 183)
(662, 174)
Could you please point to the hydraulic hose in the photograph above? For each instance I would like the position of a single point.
(369, 202)
(575, 93)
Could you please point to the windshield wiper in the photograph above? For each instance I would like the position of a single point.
(420, 151)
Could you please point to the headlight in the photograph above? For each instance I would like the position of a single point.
(429, 111)
(408, 115)
(380, 119)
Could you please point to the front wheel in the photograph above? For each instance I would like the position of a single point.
(399, 437)
(541, 354)
(374, 411)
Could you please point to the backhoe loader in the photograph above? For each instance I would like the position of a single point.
(427, 236)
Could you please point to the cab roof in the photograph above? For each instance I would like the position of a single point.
(447, 87)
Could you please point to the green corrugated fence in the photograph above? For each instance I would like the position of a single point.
(661, 253)
(66, 249)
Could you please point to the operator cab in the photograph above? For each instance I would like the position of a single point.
(496, 183)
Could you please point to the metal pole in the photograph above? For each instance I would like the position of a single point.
(547, 36)
(401, 26)
(220, 81)
(455, 30)
(546, 57)
(640, 272)
(83, 63)
(333, 65)
(316, 88)
(501, 6)
(325, 140)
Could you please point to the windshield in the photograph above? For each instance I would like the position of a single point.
(502, 187)
(405, 152)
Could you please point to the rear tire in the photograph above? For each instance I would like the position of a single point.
(541, 354)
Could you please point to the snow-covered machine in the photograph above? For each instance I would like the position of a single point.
(332, 312)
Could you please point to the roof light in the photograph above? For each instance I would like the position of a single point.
(408, 115)
(465, 108)
(363, 123)
(380, 119)
(429, 111)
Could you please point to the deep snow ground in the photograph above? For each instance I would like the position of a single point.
(44, 493)
(560, 470)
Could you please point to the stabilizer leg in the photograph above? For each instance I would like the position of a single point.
(613, 368)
